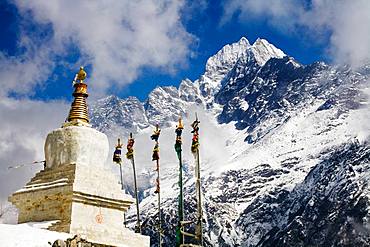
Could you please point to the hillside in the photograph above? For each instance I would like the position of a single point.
(284, 149)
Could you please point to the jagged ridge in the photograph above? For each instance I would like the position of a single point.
(292, 114)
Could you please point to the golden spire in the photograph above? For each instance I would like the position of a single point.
(78, 114)
(180, 125)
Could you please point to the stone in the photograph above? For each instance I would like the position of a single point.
(59, 243)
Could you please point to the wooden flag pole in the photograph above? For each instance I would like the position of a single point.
(130, 156)
(178, 144)
(155, 157)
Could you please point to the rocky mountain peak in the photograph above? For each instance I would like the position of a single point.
(241, 54)
(263, 51)
(190, 92)
(112, 114)
(283, 125)
(222, 62)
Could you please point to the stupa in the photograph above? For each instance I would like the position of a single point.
(74, 190)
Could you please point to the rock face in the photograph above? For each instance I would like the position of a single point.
(329, 208)
(112, 115)
(164, 105)
(76, 191)
(76, 241)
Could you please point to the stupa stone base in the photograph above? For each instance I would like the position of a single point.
(77, 191)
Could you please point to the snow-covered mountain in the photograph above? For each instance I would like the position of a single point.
(284, 149)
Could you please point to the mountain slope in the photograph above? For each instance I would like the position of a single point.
(272, 131)
(329, 208)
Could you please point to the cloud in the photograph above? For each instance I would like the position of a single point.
(20, 75)
(193, 9)
(213, 152)
(359, 119)
(24, 125)
(273, 11)
(346, 22)
(28, 122)
(117, 38)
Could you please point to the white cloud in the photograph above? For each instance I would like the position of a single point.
(118, 38)
(273, 11)
(213, 150)
(359, 119)
(347, 22)
(24, 125)
(21, 74)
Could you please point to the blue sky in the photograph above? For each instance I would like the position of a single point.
(204, 24)
(212, 36)
(128, 47)
(198, 30)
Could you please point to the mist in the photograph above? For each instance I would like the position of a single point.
(24, 125)
(213, 151)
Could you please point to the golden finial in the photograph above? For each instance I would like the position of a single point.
(81, 75)
(119, 145)
(180, 125)
(78, 115)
